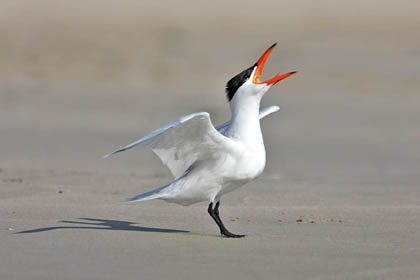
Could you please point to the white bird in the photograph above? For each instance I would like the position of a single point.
(208, 162)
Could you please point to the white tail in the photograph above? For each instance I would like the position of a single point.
(156, 193)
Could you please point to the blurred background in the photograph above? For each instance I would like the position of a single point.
(81, 78)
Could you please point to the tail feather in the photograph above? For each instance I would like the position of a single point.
(156, 193)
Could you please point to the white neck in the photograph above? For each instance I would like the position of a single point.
(245, 122)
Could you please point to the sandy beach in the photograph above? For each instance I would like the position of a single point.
(339, 198)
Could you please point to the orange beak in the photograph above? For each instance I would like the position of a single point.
(260, 66)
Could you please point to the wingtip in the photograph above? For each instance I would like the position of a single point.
(106, 156)
(110, 154)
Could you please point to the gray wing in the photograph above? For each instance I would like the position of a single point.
(183, 141)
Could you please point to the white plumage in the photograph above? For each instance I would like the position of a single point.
(207, 162)
(179, 144)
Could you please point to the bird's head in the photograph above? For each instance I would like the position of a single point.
(248, 83)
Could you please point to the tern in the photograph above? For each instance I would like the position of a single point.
(206, 161)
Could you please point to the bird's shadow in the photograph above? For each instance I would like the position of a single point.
(102, 224)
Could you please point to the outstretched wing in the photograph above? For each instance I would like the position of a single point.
(267, 110)
(180, 143)
(264, 111)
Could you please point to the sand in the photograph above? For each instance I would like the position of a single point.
(340, 196)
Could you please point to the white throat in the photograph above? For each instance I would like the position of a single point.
(245, 122)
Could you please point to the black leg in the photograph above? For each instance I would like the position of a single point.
(214, 213)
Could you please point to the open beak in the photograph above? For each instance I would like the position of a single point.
(260, 66)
